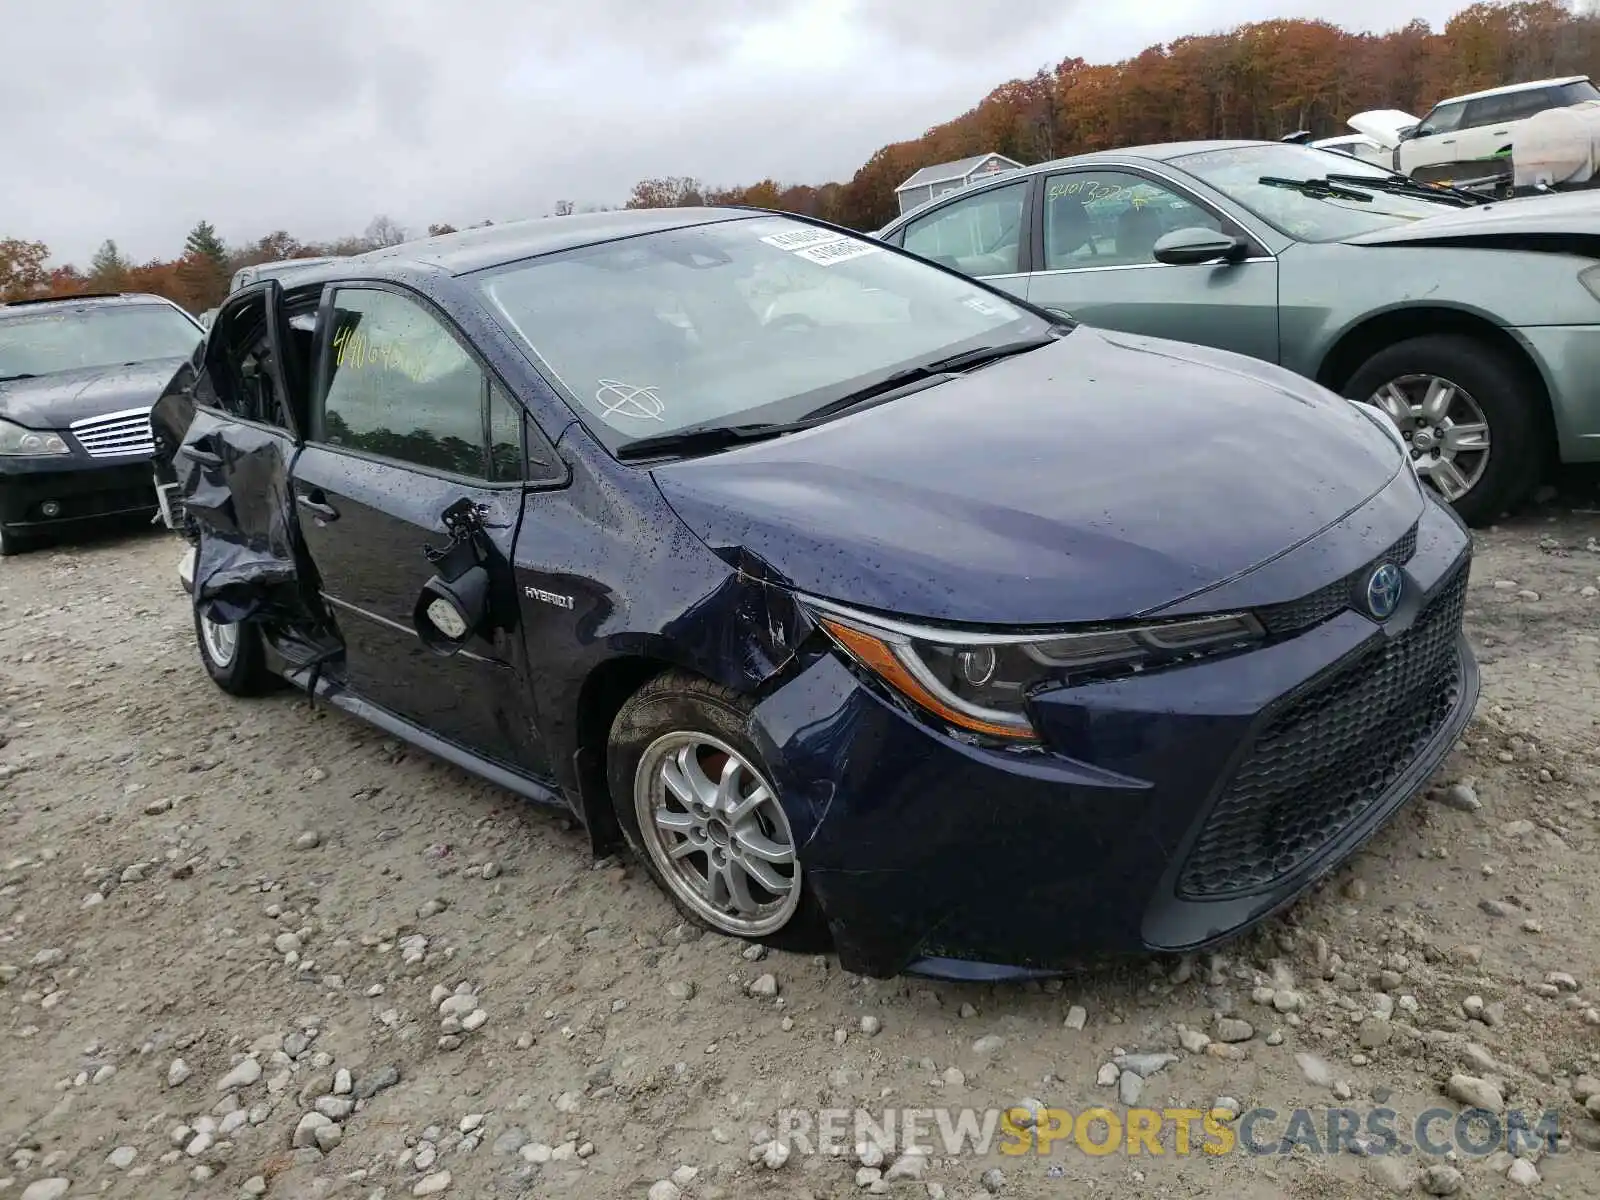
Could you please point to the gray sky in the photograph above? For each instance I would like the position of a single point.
(133, 121)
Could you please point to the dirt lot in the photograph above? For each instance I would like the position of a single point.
(218, 916)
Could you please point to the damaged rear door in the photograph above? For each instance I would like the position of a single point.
(407, 426)
(233, 462)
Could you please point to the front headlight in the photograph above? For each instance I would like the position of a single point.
(980, 683)
(14, 439)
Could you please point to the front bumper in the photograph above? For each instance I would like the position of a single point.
(1171, 811)
(82, 488)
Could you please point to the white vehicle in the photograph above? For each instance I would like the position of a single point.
(1470, 136)
(1357, 145)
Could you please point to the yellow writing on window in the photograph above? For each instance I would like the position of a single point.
(354, 349)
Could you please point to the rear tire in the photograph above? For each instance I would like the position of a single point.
(1490, 389)
(736, 870)
(233, 654)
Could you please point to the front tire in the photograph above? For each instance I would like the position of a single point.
(698, 809)
(1470, 415)
(233, 655)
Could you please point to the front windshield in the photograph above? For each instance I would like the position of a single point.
(1237, 172)
(751, 320)
(49, 341)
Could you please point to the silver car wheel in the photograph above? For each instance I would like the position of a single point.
(1443, 425)
(222, 641)
(715, 830)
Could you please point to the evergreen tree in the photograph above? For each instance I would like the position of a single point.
(203, 242)
(108, 270)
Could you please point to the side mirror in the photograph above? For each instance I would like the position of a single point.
(1191, 247)
(454, 603)
(447, 614)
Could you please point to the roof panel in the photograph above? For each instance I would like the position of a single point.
(944, 172)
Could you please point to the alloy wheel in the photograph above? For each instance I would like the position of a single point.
(222, 640)
(716, 832)
(1444, 427)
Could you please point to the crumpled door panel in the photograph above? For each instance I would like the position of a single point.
(236, 489)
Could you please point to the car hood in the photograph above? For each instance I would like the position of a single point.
(1382, 125)
(55, 401)
(1103, 477)
(1526, 222)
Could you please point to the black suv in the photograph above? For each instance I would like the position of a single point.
(77, 378)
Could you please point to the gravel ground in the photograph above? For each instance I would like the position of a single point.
(251, 948)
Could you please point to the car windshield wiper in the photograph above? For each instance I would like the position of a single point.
(1320, 188)
(890, 385)
(19, 375)
(702, 439)
(1399, 185)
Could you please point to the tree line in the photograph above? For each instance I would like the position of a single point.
(1260, 80)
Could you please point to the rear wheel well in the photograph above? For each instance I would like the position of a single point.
(604, 693)
(1387, 329)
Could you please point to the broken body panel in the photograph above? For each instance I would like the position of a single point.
(326, 553)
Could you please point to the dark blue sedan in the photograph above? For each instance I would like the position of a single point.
(866, 604)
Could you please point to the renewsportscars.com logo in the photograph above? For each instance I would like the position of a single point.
(1099, 1131)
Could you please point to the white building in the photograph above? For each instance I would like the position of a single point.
(949, 177)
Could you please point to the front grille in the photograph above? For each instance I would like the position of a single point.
(1293, 616)
(116, 434)
(1330, 755)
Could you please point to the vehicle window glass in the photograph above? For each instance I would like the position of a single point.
(505, 437)
(1112, 218)
(49, 341)
(1444, 119)
(1309, 216)
(1575, 93)
(401, 386)
(761, 318)
(1513, 106)
(976, 235)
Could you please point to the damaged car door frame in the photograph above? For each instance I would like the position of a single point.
(276, 571)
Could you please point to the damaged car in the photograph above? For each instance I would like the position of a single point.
(77, 378)
(1475, 326)
(870, 607)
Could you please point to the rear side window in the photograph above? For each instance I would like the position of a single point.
(400, 386)
(978, 235)
(1512, 106)
(1574, 93)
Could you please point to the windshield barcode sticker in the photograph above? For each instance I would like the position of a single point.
(799, 239)
(984, 305)
(840, 250)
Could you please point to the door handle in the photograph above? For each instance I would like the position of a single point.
(318, 505)
(1499, 133)
(1447, 141)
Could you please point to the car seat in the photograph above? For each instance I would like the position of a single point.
(1138, 231)
(1068, 229)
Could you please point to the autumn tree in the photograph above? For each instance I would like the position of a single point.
(673, 192)
(22, 268)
